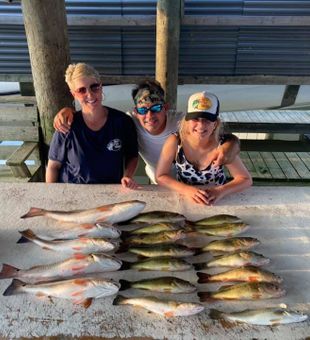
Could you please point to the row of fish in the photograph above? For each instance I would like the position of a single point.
(160, 228)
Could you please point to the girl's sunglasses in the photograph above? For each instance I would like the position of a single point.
(93, 87)
(156, 108)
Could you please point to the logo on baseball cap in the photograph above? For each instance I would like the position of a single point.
(203, 105)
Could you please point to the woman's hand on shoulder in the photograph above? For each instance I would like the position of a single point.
(63, 120)
(128, 182)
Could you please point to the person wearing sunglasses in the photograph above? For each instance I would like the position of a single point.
(101, 146)
(191, 151)
(154, 122)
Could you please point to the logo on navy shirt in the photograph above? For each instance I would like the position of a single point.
(114, 145)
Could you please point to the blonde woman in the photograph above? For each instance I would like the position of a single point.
(192, 151)
(101, 146)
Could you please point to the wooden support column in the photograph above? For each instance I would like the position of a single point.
(168, 20)
(46, 31)
(290, 95)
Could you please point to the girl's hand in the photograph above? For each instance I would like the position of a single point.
(214, 194)
(199, 196)
(128, 182)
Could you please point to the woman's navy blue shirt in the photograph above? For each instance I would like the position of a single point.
(89, 156)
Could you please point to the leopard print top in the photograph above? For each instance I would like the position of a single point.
(187, 173)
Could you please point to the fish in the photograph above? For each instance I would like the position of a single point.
(79, 264)
(172, 250)
(225, 229)
(110, 213)
(231, 244)
(79, 290)
(262, 317)
(158, 216)
(167, 308)
(244, 291)
(242, 274)
(163, 237)
(155, 228)
(217, 219)
(82, 245)
(167, 284)
(69, 231)
(238, 259)
(165, 264)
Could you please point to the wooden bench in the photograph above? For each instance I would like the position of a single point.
(19, 123)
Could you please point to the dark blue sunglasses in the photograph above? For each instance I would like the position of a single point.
(156, 108)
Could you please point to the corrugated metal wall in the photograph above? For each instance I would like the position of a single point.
(204, 50)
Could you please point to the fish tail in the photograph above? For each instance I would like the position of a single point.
(23, 239)
(203, 277)
(215, 314)
(8, 271)
(27, 234)
(119, 300)
(14, 287)
(122, 248)
(124, 284)
(34, 212)
(200, 266)
(125, 265)
(204, 296)
(199, 251)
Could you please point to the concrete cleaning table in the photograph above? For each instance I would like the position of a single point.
(278, 216)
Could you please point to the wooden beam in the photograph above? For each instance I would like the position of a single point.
(168, 22)
(46, 31)
(188, 20)
(290, 95)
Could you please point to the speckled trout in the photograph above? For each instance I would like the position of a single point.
(82, 245)
(158, 216)
(263, 317)
(165, 284)
(242, 274)
(69, 231)
(245, 291)
(238, 259)
(79, 264)
(217, 219)
(166, 264)
(231, 244)
(167, 308)
(110, 213)
(171, 250)
(79, 291)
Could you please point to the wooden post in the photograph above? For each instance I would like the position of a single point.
(46, 31)
(290, 95)
(168, 22)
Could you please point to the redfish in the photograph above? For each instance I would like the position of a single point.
(110, 213)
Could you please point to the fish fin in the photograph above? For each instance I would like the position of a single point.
(104, 208)
(80, 282)
(88, 226)
(203, 277)
(78, 293)
(125, 265)
(77, 268)
(204, 296)
(118, 300)
(200, 266)
(13, 288)
(34, 212)
(23, 239)
(79, 256)
(8, 271)
(215, 314)
(87, 302)
(124, 284)
(169, 314)
(28, 234)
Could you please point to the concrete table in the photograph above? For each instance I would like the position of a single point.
(278, 216)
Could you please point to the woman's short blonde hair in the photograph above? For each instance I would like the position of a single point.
(80, 70)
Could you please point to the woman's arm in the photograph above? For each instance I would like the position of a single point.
(164, 178)
(241, 181)
(52, 171)
(228, 151)
(63, 120)
(130, 169)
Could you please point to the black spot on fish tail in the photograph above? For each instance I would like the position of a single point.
(203, 277)
(124, 284)
(200, 266)
(13, 288)
(123, 248)
(204, 296)
(23, 239)
(8, 271)
(125, 265)
(118, 300)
